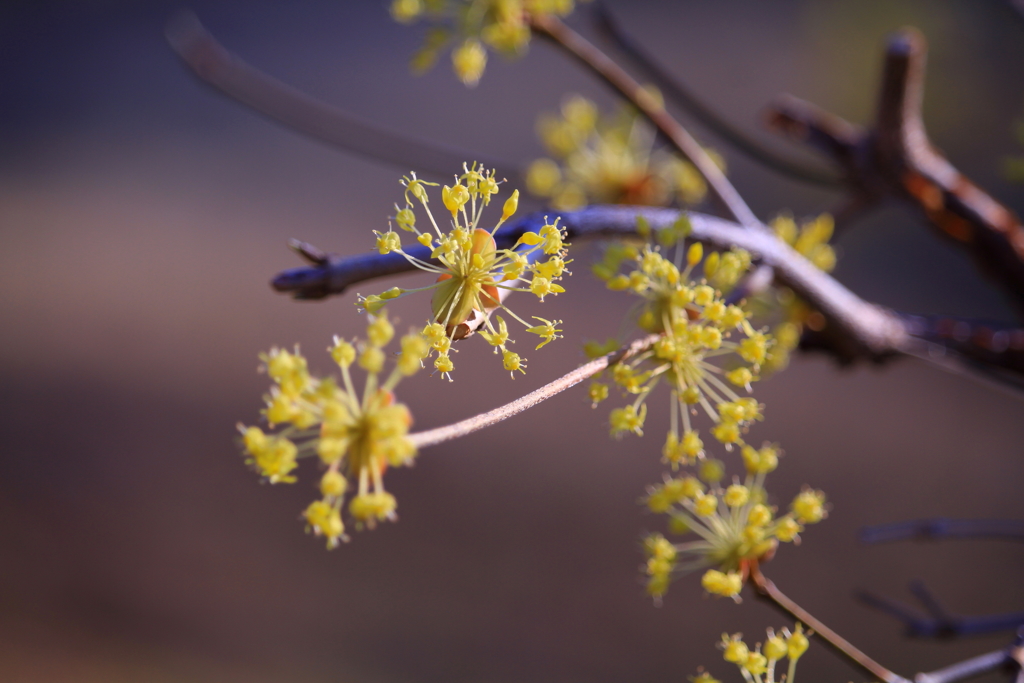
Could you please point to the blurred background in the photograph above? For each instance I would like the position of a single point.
(142, 216)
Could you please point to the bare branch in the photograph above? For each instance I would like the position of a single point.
(862, 329)
(896, 158)
(941, 527)
(969, 668)
(433, 437)
(595, 60)
(937, 623)
(212, 63)
(682, 96)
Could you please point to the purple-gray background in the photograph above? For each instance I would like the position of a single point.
(141, 217)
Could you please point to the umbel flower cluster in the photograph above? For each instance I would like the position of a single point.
(699, 332)
(709, 354)
(757, 664)
(502, 25)
(609, 159)
(734, 524)
(811, 240)
(472, 273)
(357, 436)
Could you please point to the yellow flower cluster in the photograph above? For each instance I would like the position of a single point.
(697, 328)
(810, 239)
(502, 25)
(356, 436)
(757, 664)
(609, 160)
(734, 523)
(471, 271)
(707, 351)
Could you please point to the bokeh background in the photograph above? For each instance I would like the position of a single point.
(142, 215)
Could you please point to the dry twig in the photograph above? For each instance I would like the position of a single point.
(896, 158)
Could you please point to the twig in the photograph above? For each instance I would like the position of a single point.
(938, 623)
(768, 591)
(433, 437)
(969, 668)
(896, 158)
(678, 93)
(211, 62)
(941, 527)
(576, 45)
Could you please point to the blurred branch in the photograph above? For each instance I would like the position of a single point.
(862, 330)
(941, 528)
(682, 96)
(211, 62)
(937, 622)
(433, 437)
(767, 590)
(896, 158)
(576, 45)
(973, 667)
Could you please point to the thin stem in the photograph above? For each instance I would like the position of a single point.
(616, 76)
(432, 437)
(767, 590)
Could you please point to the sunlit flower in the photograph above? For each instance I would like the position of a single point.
(472, 273)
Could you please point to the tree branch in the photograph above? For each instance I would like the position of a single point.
(941, 527)
(212, 63)
(937, 623)
(896, 158)
(432, 437)
(682, 96)
(969, 668)
(768, 591)
(595, 60)
(862, 329)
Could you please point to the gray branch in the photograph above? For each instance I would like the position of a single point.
(862, 329)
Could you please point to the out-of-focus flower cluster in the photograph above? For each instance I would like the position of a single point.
(811, 240)
(609, 160)
(357, 436)
(472, 26)
(757, 664)
(471, 270)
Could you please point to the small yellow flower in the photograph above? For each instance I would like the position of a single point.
(725, 584)
(809, 507)
(733, 648)
(469, 61)
(547, 331)
(797, 643)
(628, 419)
